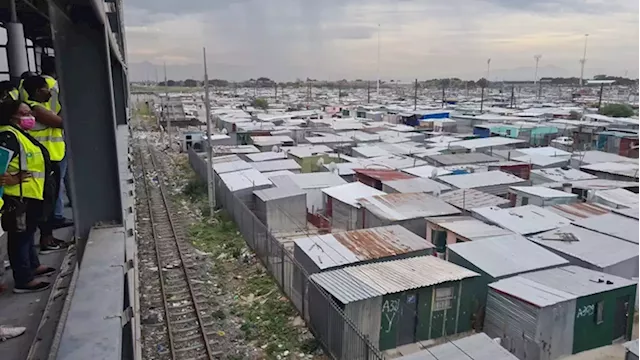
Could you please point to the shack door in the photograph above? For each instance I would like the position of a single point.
(408, 318)
(621, 320)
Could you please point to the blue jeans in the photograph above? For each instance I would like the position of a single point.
(22, 255)
(58, 213)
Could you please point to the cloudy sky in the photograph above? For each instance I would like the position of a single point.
(335, 39)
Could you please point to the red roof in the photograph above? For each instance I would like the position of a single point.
(383, 175)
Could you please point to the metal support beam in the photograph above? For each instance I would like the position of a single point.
(16, 51)
(84, 62)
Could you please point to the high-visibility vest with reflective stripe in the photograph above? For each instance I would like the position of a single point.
(15, 95)
(31, 160)
(51, 138)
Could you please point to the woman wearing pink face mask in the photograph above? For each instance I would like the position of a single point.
(26, 195)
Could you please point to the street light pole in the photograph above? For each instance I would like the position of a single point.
(583, 60)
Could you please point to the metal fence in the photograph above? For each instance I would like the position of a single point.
(338, 335)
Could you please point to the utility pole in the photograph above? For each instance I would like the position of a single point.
(482, 98)
(339, 91)
(378, 71)
(415, 96)
(368, 92)
(513, 99)
(600, 97)
(166, 92)
(488, 68)
(535, 75)
(211, 190)
(539, 89)
(275, 83)
(444, 86)
(583, 60)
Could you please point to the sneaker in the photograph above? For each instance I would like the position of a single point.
(59, 223)
(63, 244)
(41, 286)
(51, 248)
(10, 332)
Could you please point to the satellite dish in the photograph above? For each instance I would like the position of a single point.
(473, 150)
(274, 148)
(434, 173)
(224, 131)
(436, 192)
(332, 166)
(320, 162)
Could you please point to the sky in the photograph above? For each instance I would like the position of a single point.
(336, 39)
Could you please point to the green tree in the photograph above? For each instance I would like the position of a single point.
(617, 110)
(260, 103)
(483, 83)
(190, 83)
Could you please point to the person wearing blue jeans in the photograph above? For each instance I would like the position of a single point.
(59, 221)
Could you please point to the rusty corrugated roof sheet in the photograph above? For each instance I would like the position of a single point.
(577, 211)
(380, 242)
(383, 175)
(403, 206)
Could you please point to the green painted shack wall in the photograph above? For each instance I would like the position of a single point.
(587, 334)
(481, 286)
(310, 163)
(430, 324)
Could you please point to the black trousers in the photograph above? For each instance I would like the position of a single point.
(21, 248)
(49, 204)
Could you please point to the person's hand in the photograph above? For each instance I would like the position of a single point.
(9, 179)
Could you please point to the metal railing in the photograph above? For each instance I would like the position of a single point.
(337, 334)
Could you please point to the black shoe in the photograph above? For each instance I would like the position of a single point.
(31, 289)
(59, 223)
(51, 248)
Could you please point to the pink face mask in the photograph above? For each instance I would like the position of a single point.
(27, 122)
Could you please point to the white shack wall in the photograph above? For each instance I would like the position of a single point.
(555, 330)
(287, 214)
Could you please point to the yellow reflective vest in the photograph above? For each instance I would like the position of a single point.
(30, 159)
(50, 138)
(15, 95)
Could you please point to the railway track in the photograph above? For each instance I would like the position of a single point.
(179, 301)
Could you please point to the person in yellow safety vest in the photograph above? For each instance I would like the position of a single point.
(25, 193)
(47, 131)
(48, 67)
(8, 91)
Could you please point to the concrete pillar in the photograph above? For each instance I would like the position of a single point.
(16, 51)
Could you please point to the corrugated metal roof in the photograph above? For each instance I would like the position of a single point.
(617, 168)
(371, 280)
(234, 149)
(480, 179)
(271, 140)
(277, 193)
(631, 212)
(272, 174)
(505, 255)
(226, 167)
(442, 139)
(370, 151)
(266, 156)
(395, 162)
(548, 287)
(222, 159)
(416, 185)
(350, 193)
(461, 159)
(563, 175)
(468, 199)
(331, 250)
(426, 171)
(543, 192)
(468, 227)
(488, 142)
(318, 180)
(404, 206)
(541, 160)
(545, 151)
(275, 165)
(589, 247)
(381, 174)
(602, 184)
(577, 211)
(595, 156)
(619, 197)
(523, 220)
(307, 150)
(618, 226)
(475, 347)
(244, 179)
